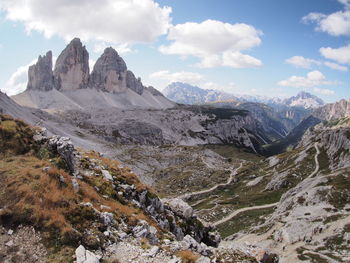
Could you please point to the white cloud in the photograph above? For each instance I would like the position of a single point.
(302, 62)
(215, 43)
(313, 79)
(346, 3)
(17, 82)
(340, 55)
(335, 66)
(335, 24)
(183, 76)
(113, 21)
(324, 91)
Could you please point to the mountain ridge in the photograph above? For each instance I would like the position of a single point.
(71, 85)
(188, 94)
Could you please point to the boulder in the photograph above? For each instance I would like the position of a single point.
(40, 76)
(179, 206)
(107, 175)
(64, 147)
(85, 256)
(72, 67)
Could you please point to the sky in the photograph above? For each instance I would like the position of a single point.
(273, 48)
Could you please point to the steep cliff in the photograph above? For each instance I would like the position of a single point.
(72, 67)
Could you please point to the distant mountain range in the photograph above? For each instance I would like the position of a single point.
(187, 94)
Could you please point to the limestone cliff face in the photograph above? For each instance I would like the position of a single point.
(110, 74)
(72, 67)
(40, 76)
(333, 111)
(71, 72)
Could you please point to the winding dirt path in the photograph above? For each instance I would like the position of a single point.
(238, 211)
(229, 180)
(316, 161)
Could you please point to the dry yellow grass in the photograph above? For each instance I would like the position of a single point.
(187, 256)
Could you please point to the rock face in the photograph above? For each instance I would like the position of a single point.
(333, 111)
(72, 67)
(40, 75)
(133, 83)
(110, 74)
(180, 207)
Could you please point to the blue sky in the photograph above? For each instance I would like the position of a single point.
(270, 48)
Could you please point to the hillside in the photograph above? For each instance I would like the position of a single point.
(70, 202)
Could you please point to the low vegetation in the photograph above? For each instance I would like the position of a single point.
(38, 190)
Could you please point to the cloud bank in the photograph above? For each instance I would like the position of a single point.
(215, 43)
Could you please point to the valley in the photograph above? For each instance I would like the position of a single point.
(101, 164)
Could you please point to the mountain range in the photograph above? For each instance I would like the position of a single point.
(96, 167)
(188, 94)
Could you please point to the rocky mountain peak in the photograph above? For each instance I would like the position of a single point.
(40, 76)
(305, 100)
(110, 74)
(72, 67)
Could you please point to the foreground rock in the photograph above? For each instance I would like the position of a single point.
(85, 256)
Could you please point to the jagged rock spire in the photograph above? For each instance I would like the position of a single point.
(71, 72)
(72, 67)
(40, 76)
(110, 74)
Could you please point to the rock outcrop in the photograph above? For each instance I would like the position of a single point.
(110, 74)
(40, 76)
(72, 67)
(64, 147)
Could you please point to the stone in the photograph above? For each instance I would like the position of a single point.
(75, 185)
(40, 75)
(64, 147)
(107, 175)
(72, 67)
(153, 251)
(85, 256)
(107, 218)
(174, 260)
(180, 207)
(40, 135)
(203, 259)
(122, 235)
(9, 243)
(10, 232)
